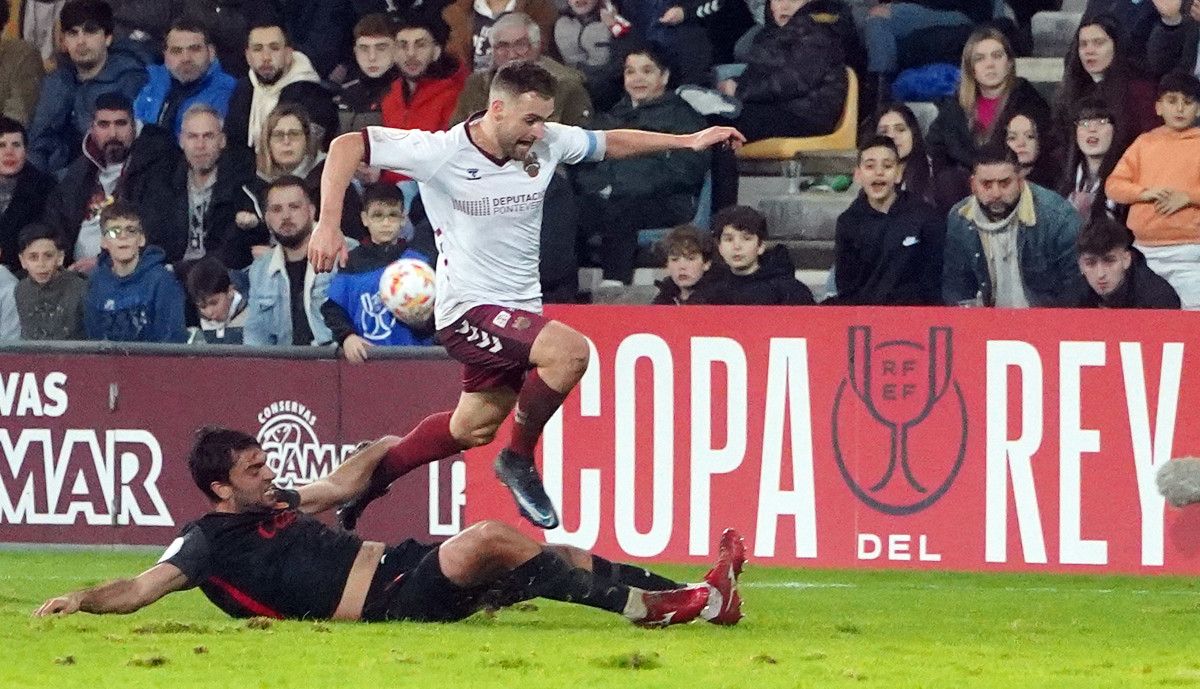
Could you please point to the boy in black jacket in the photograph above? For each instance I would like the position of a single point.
(1115, 274)
(688, 250)
(751, 273)
(888, 243)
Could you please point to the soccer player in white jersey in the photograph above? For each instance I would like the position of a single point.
(483, 183)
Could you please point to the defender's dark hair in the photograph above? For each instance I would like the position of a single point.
(212, 456)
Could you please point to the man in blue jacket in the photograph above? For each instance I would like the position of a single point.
(1011, 243)
(96, 66)
(131, 297)
(190, 74)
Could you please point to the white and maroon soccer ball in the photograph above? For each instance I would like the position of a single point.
(406, 289)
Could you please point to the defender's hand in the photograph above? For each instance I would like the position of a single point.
(62, 605)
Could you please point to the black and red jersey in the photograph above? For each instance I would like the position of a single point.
(272, 563)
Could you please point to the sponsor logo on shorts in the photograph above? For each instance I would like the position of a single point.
(479, 338)
(502, 319)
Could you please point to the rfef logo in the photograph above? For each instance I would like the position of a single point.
(899, 421)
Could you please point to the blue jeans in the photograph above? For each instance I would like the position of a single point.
(883, 33)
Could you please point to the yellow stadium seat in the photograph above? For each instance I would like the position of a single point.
(844, 138)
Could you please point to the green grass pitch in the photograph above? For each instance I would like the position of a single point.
(804, 628)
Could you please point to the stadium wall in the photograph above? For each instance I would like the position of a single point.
(902, 438)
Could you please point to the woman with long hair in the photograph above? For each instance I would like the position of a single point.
(1092, 156)
(1096, 66)
(1032, 147)
(989, 94)
(897, 122)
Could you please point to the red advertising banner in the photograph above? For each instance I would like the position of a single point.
(965, 439)
(95, 446)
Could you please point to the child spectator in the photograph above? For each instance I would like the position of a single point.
(689, 256)
(1092, 157)
(897, 122)
(353, 311)
(220, 302)
(49, 299)
(132, 297)
(888, 242)
(1115, 274)
(1157, 178)
(751, 274)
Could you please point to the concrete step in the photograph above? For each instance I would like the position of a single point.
(1053, 32)
(1042, 70)
(1073, 6)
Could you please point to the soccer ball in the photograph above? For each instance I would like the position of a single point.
(406, 289)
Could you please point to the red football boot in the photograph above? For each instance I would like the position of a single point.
(676, 606)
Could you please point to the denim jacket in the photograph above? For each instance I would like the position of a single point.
(270, 313)
(1048, 225)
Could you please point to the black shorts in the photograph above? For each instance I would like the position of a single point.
(409, 585)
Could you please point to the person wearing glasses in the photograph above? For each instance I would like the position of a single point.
(131, 297)
(1092, 156)
(118, 161)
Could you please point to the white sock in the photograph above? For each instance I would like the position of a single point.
(715, 602)
(635, 606)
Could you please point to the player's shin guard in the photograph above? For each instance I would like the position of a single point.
(428, 442)
(631, 575)
(536, 403)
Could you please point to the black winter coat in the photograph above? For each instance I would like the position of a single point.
(952, 143)
(892, 258)
(773, 284)
(151, 158)
(800, 67)
(673, 178)
(28, 203)
(1141, 289)
(166, 215)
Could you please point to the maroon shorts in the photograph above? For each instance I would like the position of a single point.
(493, 343)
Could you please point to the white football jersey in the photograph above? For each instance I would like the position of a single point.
(486, 213)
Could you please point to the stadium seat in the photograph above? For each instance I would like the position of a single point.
(844, 138)
(648, 238)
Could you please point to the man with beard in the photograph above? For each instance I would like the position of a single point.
(192, 210)
(286, 294)
(431, 79)
(117, 162)
(96, 65)
(278, 74)
(1011, 243)
(190, 74)
(484, 186)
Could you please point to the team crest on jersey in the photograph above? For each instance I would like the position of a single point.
(287, 434)
(473, 173)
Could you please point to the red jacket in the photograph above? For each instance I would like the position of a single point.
(431, 104)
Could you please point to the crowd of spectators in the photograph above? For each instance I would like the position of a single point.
(160, 160)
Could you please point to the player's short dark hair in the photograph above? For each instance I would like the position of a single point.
(1179, 82)
(1101, 235)
(285, 182)
(379, 192)
(686, 240)
(35, 231)
(113, 101)
(743, 218)
(119, 209)
(189, 24)
(522, 76)
(994, 153)
(207, 277)
(212, 456)
(375, 25)
(10, 126)
(269, 22)
(88, 15)
(877, 141)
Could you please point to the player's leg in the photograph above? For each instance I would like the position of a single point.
(473, 422)
(559, 356)
(500, 558)
(630, 575)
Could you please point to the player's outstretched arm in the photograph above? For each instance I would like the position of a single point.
(627, 143)
(348, 480)
(120, 596)
(327, 243)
